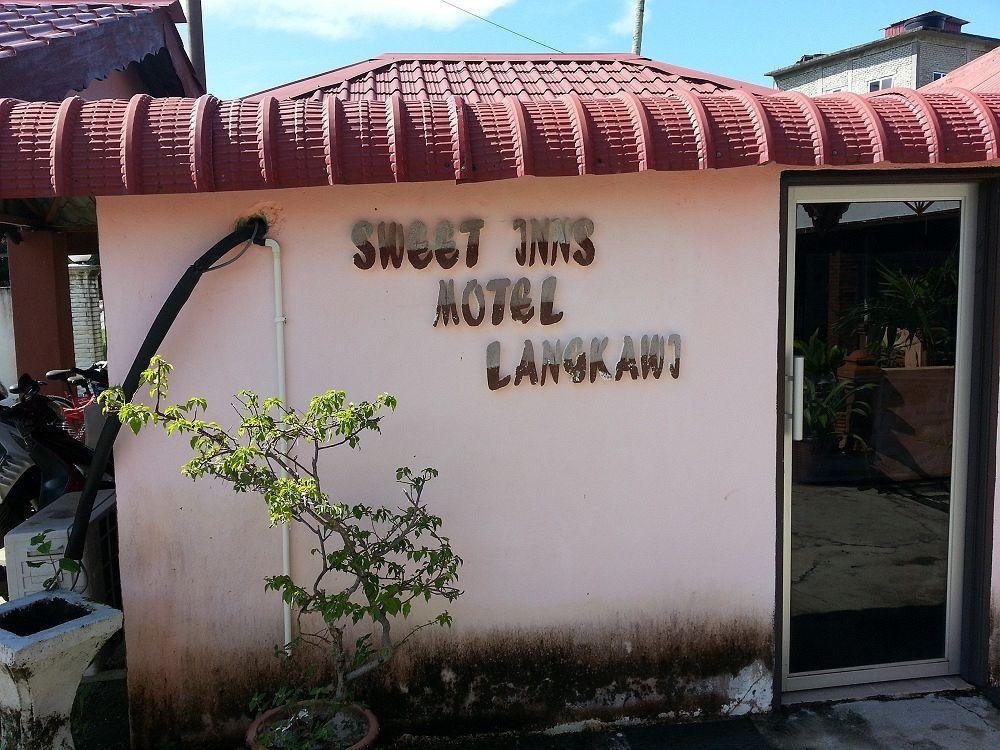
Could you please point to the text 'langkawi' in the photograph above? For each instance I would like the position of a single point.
(543, 242)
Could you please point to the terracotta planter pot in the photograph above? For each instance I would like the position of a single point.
(268, 718)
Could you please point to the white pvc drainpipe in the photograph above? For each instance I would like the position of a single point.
(279, 350)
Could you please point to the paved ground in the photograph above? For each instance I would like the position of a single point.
(946, 721)
(858, 548)
(935, 722)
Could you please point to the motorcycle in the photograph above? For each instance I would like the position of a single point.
(42, 456)
(84, 418)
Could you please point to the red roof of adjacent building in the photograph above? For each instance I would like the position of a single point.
(477, 77)
(25, 26)
(981, 74)
(179, 145)
(49, 48)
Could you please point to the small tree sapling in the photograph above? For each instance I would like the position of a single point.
(373, 562)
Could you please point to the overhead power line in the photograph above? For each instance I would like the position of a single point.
(499, 26)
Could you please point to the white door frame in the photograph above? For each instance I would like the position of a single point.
(948, 665)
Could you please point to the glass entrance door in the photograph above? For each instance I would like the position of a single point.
(877, 356)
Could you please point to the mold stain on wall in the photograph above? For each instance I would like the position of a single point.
(671, 668)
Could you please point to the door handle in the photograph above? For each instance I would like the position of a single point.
(797, 377)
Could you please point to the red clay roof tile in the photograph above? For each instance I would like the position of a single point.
(479, 77)
(50, 48)
(25, 25)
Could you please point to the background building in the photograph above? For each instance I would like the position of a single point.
(913, 53)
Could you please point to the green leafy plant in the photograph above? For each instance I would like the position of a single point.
(286, 695)
(830, 403)
(61, 566)
(826, 407)
(821, 359)
(313, 726)
(320, 724)
(373, 562)
(910, 307)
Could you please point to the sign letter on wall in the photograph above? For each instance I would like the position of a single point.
(543, 242)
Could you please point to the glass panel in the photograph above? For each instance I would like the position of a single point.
(875, 318)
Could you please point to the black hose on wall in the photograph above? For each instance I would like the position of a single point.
(253, 230)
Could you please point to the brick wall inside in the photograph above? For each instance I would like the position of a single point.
(86, 305)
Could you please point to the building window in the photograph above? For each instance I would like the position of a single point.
(938, 74)
(880, 83)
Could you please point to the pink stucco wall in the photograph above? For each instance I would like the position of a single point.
(574, 506)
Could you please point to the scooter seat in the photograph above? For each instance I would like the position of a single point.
(95, 373)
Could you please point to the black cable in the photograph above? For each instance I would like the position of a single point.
(499, 26)
(161, 325)
(238, 255)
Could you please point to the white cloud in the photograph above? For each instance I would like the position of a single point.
(624, 25)
(339, 19)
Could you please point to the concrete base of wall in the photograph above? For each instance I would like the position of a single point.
(669, 669)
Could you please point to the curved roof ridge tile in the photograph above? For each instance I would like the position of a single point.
(201, 145)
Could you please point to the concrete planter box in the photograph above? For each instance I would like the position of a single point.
(46, 642)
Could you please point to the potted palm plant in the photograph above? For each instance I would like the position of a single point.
(373, 563)
(909, 325)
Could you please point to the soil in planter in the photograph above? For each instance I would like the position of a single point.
(40, 615)
(309, 728)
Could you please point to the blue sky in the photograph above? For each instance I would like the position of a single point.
(255, 44)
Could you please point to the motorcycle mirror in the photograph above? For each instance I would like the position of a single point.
(26, 384)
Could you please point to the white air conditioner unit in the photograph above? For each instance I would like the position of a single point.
(98, 581)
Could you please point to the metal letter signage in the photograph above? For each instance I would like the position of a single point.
(543, 242)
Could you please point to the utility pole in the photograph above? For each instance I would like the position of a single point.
(640, 11)
(196, 39)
